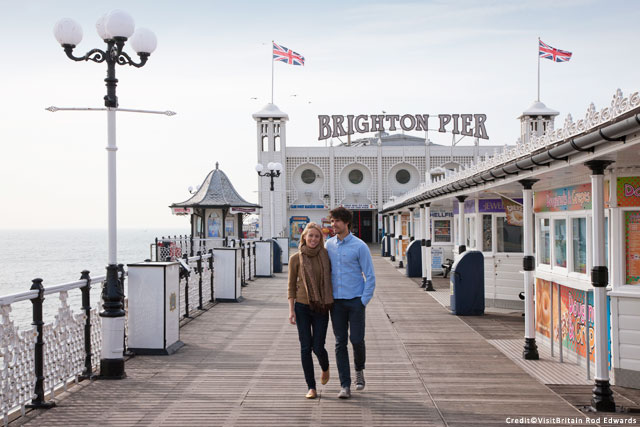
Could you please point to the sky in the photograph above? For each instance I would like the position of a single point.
(214, 57)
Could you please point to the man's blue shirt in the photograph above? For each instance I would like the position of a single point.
(351, 268)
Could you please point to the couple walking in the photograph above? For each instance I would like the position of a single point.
(337, 280)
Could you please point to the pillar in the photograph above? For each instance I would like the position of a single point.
(412, 232)
(462, 240)
(602, 397)
(530, 351)
(399, 243)
(392, 240)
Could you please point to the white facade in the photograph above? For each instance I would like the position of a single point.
(361, 176)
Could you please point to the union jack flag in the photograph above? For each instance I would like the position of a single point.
(556, 55)
(282, 54)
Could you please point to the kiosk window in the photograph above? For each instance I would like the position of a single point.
(442, 230)
(560, 242)
(509, 236)
(487, 242)
(545, 249)
(579, 245)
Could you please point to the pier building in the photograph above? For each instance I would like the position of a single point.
(557, 220)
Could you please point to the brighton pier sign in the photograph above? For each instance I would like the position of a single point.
(462, 124)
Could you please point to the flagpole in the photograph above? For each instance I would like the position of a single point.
(272, 61)
(538, 69)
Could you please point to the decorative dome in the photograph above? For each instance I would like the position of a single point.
(538, 109)
(216, 192)
(270, 111)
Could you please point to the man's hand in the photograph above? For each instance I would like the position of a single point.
(292, 318)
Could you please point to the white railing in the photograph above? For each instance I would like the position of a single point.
(619, 105)
(61, 348)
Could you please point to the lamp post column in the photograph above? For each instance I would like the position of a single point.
(602, 397)
(427, 234)
(462, 240)
(530, 351)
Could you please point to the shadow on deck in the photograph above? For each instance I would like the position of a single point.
(240, 366)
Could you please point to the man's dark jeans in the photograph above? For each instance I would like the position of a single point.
(348, 314)
(312, 332)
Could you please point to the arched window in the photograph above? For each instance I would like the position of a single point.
(276, 143)
(265, 143)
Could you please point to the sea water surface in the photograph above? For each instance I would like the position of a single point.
(59, 256)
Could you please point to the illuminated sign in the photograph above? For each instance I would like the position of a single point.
(462, 124)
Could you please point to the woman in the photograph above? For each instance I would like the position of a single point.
(310, 299)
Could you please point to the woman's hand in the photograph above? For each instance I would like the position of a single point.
(292, 317)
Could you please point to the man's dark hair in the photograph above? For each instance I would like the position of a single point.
(343, 214)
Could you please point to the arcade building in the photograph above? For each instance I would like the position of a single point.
(361, 175)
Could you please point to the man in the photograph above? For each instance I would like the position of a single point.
(353, 284)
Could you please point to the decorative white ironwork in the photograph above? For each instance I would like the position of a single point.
(17, 377)
(64, 346)
(593, 118)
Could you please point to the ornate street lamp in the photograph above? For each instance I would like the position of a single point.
(274, 172)
(115, 28)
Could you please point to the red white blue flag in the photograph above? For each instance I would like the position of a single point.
(282, 54)
(556, 55)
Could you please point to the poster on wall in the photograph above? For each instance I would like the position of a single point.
(228, 227)
(214, 226)
(513, 210)
(437, 258)
(632, 246)
(296, 227)
(576, 315)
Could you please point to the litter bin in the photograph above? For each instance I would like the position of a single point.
(414, 259)
(264, 258)
(227, 280)
(467, 284)
(154, 319)
(277, 256)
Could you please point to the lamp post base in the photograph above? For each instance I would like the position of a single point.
(429, 286)
(530, 351)
(400, 264)
(602, 397)
(112, 369)
(393, 259)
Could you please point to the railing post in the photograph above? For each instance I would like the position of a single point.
(191, 244)
(86, 306)
(211, 270)
(38, 392)
(199, 267)
(186, 287)
(242, 260)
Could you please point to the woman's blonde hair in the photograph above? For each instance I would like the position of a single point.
(311, 225)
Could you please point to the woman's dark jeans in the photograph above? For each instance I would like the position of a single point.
(312, 331)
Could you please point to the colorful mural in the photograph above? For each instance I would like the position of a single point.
(632, 246)
(576, 197)
(576, 314)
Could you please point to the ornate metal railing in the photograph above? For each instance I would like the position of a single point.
(196, 284)
(38, 360)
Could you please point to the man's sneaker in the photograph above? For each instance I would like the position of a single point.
(360, 380)
(345, 393)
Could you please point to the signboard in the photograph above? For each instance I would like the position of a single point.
(576, 317)
(574, 198)
(437, 258)
(355, 207)
(632, 246)
(458, 124)
(307, 207)
(182, 211)
(628, 191)
(441, 214)
(234, 211)
(493, 205)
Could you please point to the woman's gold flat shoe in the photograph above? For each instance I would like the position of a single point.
(311, 394)
(325, 377)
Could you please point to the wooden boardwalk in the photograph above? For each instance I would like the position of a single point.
(241, 367)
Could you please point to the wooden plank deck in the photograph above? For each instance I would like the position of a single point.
(240, 367)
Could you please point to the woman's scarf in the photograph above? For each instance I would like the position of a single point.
(316, 283)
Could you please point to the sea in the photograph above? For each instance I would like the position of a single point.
(59, 256)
